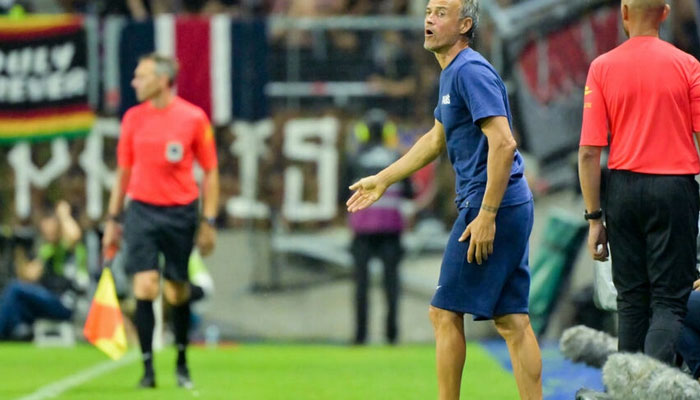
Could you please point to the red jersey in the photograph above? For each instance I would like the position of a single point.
(159, 146)
(646, 93)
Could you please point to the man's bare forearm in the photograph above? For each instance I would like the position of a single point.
(116, 198)
(498, 166)
(589, 176)
(210, 193)
(70, 230)
(499, 161)
(424, 151)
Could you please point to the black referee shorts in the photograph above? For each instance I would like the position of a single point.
(150, 230)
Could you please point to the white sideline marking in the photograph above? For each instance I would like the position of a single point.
(55, 389)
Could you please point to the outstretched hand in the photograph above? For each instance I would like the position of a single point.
(367, 191)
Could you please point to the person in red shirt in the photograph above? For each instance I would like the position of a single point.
(646, 93)
(160, 139)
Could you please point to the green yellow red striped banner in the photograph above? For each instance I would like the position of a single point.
(42, 128)
(38, 22)
(43, 78)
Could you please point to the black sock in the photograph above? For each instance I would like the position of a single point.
(145, 322)
(196, 293)
(181, 323)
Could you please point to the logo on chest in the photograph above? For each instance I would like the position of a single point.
(174, 152)
(446, 99)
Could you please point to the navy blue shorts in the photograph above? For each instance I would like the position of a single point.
(499, 286)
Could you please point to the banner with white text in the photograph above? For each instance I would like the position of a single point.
(43, 78)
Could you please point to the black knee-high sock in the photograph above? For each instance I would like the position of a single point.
(181, 323)
(145, 323)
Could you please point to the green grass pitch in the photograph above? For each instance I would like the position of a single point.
(256, 372)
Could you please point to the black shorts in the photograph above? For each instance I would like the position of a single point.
(150, 230)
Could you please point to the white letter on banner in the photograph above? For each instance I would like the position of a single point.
(98, 175)
(13, 63)
(35, 89)
(249, 146)
(299, 136)
(16, 90)
(53, 86)
(27, 174)
(41, 61)
(26, 60)
(62, 56)
(75, 82)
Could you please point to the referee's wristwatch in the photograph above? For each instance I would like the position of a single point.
(597, 214)
(211, 221)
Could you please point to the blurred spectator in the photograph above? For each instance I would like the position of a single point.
(683, 26)
(15, 244)
(232, 7)
(48, 286)
(377, 229)
(193, 6)
(373, 7)
(73, 6)
(361, 7)
(296, 9)
(142, 9)
(137, 9)
(393, 72)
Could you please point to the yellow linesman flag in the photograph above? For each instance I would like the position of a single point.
(104, 326)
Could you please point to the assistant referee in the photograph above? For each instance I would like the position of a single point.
(647, 94)
(160, 138)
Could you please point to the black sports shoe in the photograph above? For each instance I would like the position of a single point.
(148, 381)
(183, 377)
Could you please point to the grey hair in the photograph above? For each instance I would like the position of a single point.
(470, 9)
(164, 65)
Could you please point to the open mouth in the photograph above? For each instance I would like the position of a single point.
(428, 32)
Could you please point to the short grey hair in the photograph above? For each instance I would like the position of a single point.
(470, 9)
(164, 66)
